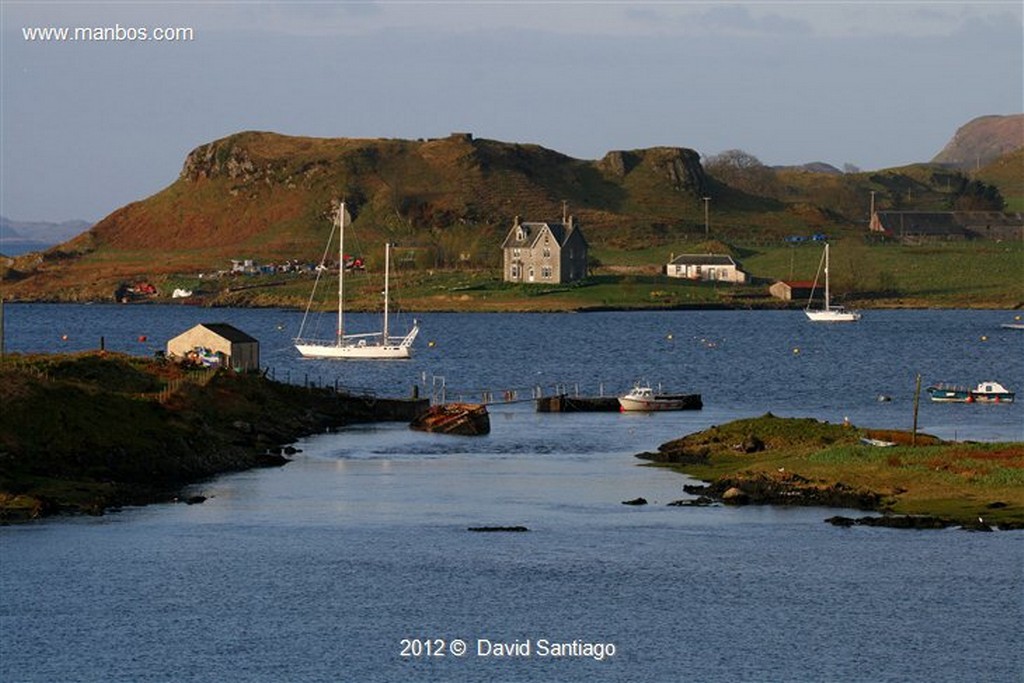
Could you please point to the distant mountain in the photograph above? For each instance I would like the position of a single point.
(982, 141)
(19, 237)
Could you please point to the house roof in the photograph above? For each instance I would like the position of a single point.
(533, 230)
(702, 260)
(229, 332)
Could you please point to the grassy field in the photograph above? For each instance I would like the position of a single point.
(958, 481)
(943, 275)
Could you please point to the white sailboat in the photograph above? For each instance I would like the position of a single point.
(368, 346)
(829, 313)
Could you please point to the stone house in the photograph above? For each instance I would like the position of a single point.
(544, 252)
(706, 267)
(229, 345)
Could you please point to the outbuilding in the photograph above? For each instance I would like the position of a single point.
(792, 290)
(220, 342)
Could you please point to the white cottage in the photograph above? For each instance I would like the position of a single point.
(707, 267)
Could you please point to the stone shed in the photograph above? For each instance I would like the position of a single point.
(231, 347)
(794, 290)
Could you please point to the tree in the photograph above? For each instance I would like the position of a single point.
(975, 195)
(743, 171)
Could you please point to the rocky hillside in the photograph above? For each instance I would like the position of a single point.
(450, 201)
(983, 141)
(262, 192)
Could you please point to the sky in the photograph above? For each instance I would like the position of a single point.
(89, 126)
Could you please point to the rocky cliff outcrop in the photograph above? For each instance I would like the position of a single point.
(680, 166)
(982, 141)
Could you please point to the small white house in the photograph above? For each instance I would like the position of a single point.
(706, 267)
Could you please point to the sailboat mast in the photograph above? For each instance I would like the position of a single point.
(828, 306)
(387, 274)
(341, 272)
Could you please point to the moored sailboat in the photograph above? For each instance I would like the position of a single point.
(828, 313)
(365, 346)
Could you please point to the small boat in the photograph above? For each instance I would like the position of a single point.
(991, 392)
(464, 419)
(828, 313)
(1012, 326)
(948, 393)
(877, 443)
(641, 398)
(366, 346)
(986, 392)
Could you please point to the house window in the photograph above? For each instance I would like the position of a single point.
(515, 253)
(547, 252)
(545, 272)
(519, 234)
(514, 272)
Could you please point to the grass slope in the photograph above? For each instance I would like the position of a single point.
(959, 481)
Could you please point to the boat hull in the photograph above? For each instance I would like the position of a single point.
(657, 403)
(992, 397)
(463, 419)
(832, 316)
(360, 347)
(941, 394)
(354, 351)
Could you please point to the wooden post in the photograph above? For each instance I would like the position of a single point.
(917, 398)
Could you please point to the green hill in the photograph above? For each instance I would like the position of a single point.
(449, 202)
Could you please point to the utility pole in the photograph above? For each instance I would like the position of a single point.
(917, 398)
(707, 222)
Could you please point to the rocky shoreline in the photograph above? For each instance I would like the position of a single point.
(92, 433)
(791, 489)
(770, 461)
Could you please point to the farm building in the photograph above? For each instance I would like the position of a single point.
(708, 267)
(948, 225)
(793, 290)
(217, 344)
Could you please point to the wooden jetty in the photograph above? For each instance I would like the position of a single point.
(563, 403)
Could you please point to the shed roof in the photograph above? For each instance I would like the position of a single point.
(229, 332)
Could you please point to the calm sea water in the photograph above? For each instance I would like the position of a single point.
(319, 571)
